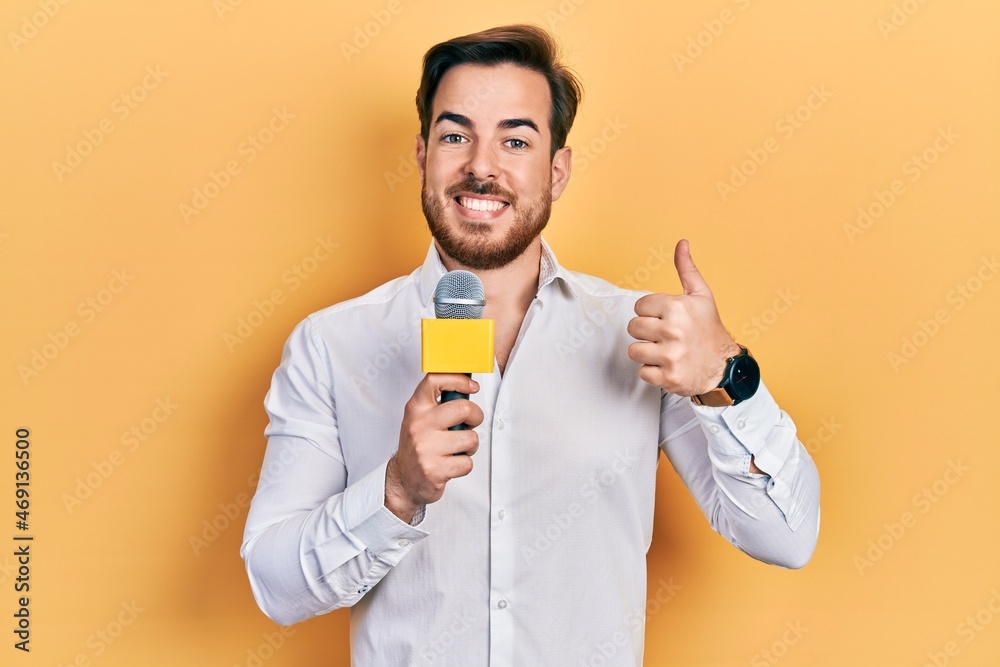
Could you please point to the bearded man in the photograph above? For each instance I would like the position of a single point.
(520, 540)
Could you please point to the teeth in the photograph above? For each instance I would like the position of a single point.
(481, 204)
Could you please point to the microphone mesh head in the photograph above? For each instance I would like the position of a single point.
(459, 296)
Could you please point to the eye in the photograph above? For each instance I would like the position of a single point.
(453, 138)
(518, 144)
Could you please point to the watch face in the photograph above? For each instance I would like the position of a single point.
(744, 377)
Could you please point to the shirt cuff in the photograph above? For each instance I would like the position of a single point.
(757, 427)
(368, 520)
(735, 430)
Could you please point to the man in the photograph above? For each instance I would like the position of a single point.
(521, 540)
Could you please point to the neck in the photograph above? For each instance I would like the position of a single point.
(510, 288)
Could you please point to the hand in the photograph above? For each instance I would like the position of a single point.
(687, 344)
(430, 455)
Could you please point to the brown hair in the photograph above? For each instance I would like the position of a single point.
(523, 45)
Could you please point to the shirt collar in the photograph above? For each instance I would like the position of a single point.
(433, 269)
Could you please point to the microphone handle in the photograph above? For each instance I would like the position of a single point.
(448, 395)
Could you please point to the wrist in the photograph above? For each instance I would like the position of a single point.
(396, 499)
(739, 381)
(728, 351)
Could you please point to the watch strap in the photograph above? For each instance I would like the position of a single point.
(716, 398)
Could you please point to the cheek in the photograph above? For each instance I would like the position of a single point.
(533, 187)
(434, 181)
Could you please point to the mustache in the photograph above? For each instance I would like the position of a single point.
(470, 184)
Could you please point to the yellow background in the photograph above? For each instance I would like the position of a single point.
(654, 137)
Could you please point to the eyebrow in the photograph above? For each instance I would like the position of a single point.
(507, 124)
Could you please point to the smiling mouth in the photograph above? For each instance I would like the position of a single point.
(485, 205)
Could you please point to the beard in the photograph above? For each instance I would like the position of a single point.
(470, 244)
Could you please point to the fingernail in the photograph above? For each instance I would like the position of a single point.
(475, 385)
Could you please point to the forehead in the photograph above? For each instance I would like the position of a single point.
(489, 94)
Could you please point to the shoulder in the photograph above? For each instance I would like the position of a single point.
(403, 287)
(598, 300)
(590, 286)
(594, 291)
(385, 306)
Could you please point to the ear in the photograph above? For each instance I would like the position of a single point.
(421, 153)
(562, 165)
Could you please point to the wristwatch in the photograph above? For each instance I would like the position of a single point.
(739, 382)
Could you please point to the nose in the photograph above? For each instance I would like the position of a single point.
(483, 161)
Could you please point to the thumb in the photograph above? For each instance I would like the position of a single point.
(691, 279)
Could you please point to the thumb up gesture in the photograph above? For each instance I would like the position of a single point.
(683, 345)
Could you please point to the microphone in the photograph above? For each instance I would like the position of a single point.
(460, 296)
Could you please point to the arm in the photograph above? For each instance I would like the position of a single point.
(772, 516)
(743, 464)
(312, 543)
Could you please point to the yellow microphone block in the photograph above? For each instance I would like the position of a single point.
(456, 346)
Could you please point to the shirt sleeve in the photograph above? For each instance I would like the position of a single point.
(312, 543)
(773, 517)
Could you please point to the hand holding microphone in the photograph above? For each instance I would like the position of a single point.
(435, 441)
(430, 454)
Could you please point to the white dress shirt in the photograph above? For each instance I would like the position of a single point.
(537, 557)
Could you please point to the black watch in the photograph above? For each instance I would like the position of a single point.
(739, 382)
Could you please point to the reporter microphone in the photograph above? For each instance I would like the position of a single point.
(458, 340)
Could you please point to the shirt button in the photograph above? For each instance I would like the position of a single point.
(713, 428)
(404, 543)
(363, 589)
(499, 424)
(502, 604)
(501, 514)
(741, 423)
